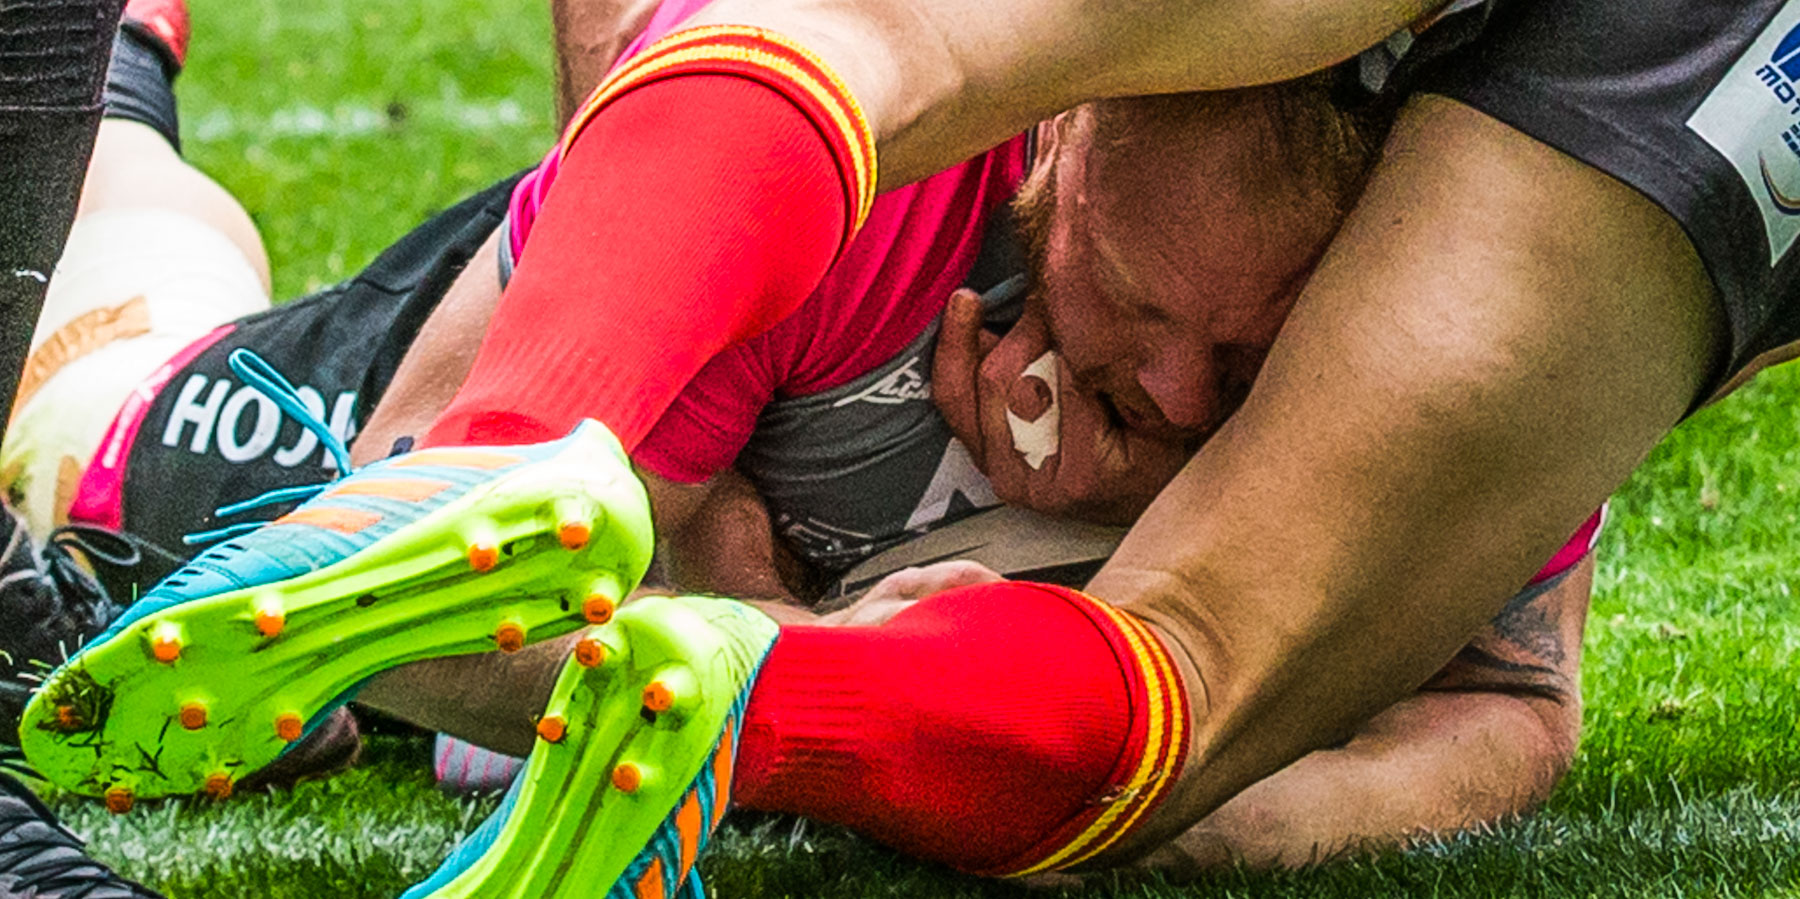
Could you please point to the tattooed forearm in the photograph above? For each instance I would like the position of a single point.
(1532, 648)
(1528, 622)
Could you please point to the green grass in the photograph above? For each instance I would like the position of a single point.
(341, 124)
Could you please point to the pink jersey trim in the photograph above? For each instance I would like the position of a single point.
(100, 495)
(528, 195)
(1578, 547)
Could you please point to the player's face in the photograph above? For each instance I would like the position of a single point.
(1164, 273)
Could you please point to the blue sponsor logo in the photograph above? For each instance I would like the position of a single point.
(1779, 76)
(1783, 70)
(1787, 55)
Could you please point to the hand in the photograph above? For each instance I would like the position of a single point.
(1077, 458)
(894, 593)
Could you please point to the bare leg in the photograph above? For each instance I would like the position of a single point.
(1433, 764)
(438, 359)
(491, 700)
(590, 35)
(133, 167)
(1487, 740)
(1497, 337)
(159, 255)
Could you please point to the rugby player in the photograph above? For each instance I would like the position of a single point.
(53, 61)
(53, 57)
(1483, 739)
(1410, 421)
(1477, 350)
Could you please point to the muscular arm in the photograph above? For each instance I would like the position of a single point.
(1485, 739)
(725, 544)
(942, 80)
(1497, 338)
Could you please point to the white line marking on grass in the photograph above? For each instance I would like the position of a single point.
(357, 120)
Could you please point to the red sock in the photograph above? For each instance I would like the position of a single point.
(1001, 729)
(701, 195)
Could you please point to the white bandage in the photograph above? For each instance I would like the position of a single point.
(1039, 439)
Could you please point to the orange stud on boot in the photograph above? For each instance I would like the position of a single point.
(658, 697)
(589, 652)
(218, 786)
(270, 622)
(119, 800)
(627, 778)
(574, 535)
(193, 715)
(510, 636)
(483, 556)
(165, 643)
(289, 726)
(552, 728)
(598, 609)
(67, 718)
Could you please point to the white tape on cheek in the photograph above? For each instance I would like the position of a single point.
(1039, 439)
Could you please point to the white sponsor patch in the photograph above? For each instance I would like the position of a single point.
(1753, 118)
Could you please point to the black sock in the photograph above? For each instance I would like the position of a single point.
(53, 57)
(139, 86)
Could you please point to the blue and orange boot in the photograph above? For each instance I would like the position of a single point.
(632, 770)
(216, 671)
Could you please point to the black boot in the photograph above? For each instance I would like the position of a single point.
(41, 859)
(49, 606)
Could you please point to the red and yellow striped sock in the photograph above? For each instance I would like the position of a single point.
(1004, 729)
(699, 196)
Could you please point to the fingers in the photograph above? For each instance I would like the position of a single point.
(898, 591)
(955, 367)
(943, 576)
(870, 611)
(918, 583)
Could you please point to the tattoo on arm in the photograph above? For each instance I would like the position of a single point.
(1524, 650)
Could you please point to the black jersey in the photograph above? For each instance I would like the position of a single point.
(208, 440)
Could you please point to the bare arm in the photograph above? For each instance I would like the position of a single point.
(725, 544)
(1497, 338)
(438, 359)
(942, 80)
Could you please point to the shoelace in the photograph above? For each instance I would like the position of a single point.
(46, 859)
(101, 547)
(260, 376)
(78, 594)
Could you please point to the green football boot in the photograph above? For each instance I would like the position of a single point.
(632, 770)
(232, 659)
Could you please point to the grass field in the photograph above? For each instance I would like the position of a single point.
(340, 124)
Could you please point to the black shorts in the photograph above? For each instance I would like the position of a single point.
(208, 440)
(1693, 104)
